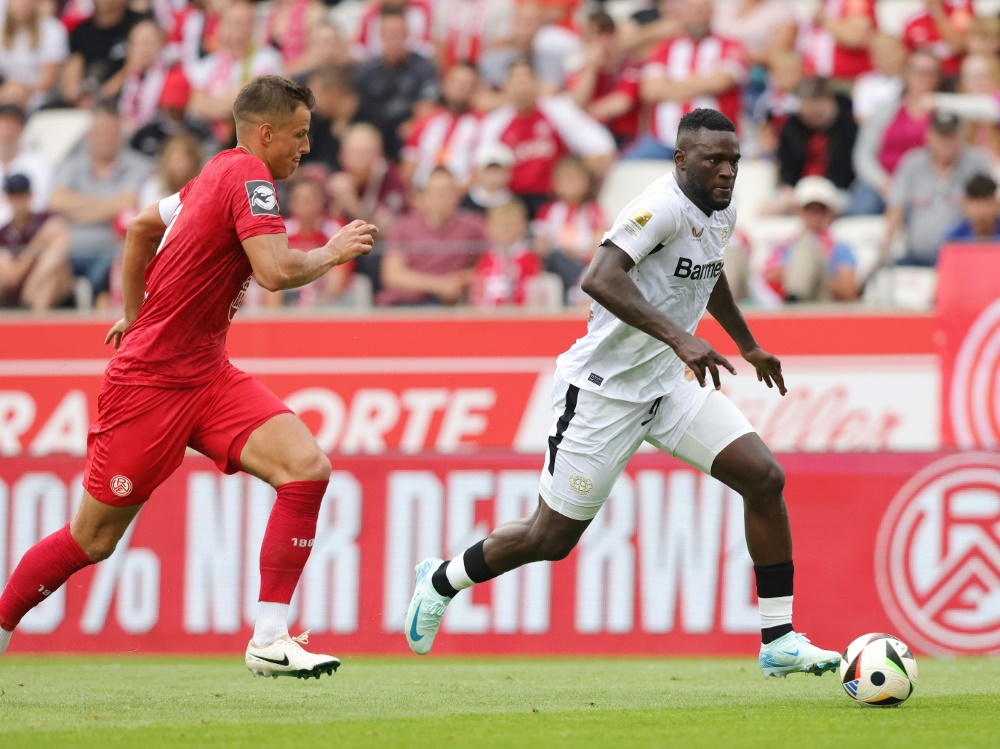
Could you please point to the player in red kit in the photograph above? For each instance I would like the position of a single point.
(187, 264)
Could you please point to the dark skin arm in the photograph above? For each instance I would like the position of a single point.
(722, 307)
(609, 284)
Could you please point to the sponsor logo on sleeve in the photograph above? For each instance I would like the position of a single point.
(263, 201)
(635, 223)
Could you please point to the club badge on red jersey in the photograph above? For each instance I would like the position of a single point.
(263, 201)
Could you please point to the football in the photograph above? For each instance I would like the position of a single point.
(878, 670)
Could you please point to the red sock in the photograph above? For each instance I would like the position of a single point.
(41, 571)
(288, 539)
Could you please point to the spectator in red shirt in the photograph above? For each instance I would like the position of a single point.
(836, 45)
(368, 186)
(568, 230)
(940, 30)
(464, 30)
(541, 130)
(695, 69)
(510, 262)
(432, 252)
(288, 27)
(145, 74)
(447, 136)
(607, 85)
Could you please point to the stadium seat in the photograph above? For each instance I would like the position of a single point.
(864, 235)
(903, 288)
(756, 185)
(54, 132)
(544, 291)
(625, 180)
(359, 294)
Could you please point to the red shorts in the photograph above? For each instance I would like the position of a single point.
(141, 432)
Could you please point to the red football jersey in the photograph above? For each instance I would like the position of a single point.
(196, 281)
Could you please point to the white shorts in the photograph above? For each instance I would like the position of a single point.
(594, 437)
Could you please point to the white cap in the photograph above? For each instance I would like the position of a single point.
(818, 190)
(497, 153)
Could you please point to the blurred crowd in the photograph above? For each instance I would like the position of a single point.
(476, 133)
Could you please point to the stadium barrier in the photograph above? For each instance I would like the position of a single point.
(905, 543)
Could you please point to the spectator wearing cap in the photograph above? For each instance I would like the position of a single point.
(33, 48)
(925, 200)
(98, 47)
(432, 252)
(981, 210)
(15, 158)
(540, 130)
(891, 132)
(447, 136)
(814, 267)
(490, 179)
(695, 69)
(171, 119)
(94, 186)
(817, 141)
(397, 87)
(606, 86)
(34, 270)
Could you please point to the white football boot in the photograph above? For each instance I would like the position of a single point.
(423, 617)
(285, 657)
(792, 653)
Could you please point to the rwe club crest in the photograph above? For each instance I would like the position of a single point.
(937, 558)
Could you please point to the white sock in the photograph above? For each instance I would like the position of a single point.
(456, 574)
(271, 624)
(4, 639)
(775, 611)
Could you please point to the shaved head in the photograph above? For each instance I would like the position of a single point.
(707, 158)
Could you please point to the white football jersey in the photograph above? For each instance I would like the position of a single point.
(678, 253)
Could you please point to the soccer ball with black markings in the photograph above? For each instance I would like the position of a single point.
(878, 670)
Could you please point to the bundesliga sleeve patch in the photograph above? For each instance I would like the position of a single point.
(263, 201)
(634, 224)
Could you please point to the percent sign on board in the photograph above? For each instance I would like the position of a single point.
(135, 574)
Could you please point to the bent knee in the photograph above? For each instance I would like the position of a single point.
(98, 549)
(768, 483)
(313, 467)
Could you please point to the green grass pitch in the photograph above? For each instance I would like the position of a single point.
(434, 702)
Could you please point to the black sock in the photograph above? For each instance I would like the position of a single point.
(475, 564)
(440, 582)
(476, 568)
(774, 581)
(770, 634)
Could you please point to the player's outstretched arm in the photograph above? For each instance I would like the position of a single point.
(609, 284)
(723, 308)
(144, 234)
(276, 266)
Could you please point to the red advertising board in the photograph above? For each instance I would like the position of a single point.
(892, 542)
(444, 384)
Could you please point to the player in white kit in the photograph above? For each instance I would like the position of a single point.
(656, 272)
